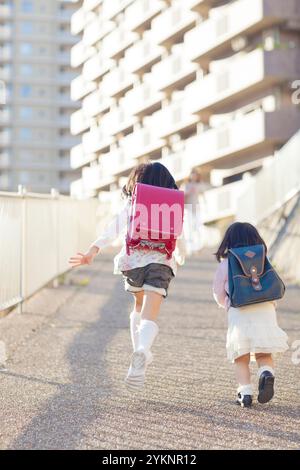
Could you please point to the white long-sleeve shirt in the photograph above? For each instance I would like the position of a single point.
(138, 258)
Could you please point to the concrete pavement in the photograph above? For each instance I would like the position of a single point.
(69, 352)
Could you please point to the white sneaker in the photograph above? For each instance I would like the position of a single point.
(135, 379)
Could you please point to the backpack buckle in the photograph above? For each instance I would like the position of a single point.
(255, 279)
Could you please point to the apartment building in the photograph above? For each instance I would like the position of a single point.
(194, 84)
(35, 140)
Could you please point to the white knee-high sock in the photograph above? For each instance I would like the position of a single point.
(135, 318)
(147, 333)
(265, 368)
(245, 389)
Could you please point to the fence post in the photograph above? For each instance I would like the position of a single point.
(55, 197)
(22, 194)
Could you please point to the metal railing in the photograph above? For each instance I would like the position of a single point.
(273, 186)
(38, 233)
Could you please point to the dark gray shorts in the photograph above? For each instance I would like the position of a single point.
(154, 277)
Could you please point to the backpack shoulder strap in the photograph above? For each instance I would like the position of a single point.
(249, 257)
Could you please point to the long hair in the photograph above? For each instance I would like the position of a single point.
(154, 174)
(237, 235)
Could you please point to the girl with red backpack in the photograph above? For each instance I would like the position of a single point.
(247, 285)
(149, 256)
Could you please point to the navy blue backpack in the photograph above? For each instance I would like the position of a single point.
(251, 277)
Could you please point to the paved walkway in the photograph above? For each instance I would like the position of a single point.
(68, 355)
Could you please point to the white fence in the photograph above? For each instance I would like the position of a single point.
(38, 233)
(273, 186)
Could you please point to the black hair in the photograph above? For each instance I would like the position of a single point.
(237, 235)
(154, 174)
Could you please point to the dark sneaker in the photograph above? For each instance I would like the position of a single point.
(265, 387)
(245, 401)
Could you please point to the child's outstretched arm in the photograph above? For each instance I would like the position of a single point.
(110, 234)
(220, 285)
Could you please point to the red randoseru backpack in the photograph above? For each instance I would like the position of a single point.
(155, 219)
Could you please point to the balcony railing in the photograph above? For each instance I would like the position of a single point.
(222, 202)
(95, 140)
(116, 42)
(143, 54)
(141, 12)
(173, 23)
(143, 98)
(174, 71)
(95, 67)
(79, 158)
(96, 103)
(242, 76)
(79, 122)
(111, 9)
(80, 88)
(174, 118)
(253, 133)
(96, 30)
(117, 81)
(244, 17)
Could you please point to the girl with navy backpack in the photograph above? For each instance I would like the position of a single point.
(147, 265)
(246, 285)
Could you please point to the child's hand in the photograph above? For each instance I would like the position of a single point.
(83, 258)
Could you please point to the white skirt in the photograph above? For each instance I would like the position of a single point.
(254, 329)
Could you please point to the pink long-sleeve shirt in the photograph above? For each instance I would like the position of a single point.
(220, 285)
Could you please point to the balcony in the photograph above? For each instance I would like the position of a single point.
(5, 161)
(221, 203)
(175, 71)
(172, 24)
(143, 99)
(95, 141)
(117, 120)
(92, 4)
(242, 77)
(111, 9)
(246, 17)
(80, 53)
(203, 6)
(96, 30)
(5, 73)
(78, 21)
(96, 103)
(5, 138)
(5, 117)
(121, 163)
(98, 176)
(174, 118)
(247, 138)
(5, 12)
(143, 54)
(5, 33)
(80, 122)
(117, 81)
(80, 88)
(139, 15)
(79, 158)
(177, 163)
(97, 66)
(5, 54)
(142, 142)
(116, 42)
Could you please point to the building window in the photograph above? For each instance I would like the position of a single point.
(26, 27)
(27, 6)
(26, 48)
(26, 69)
(25, 133)
(26, 91)
(26, 112)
